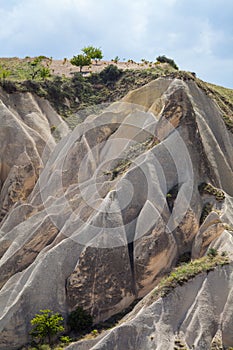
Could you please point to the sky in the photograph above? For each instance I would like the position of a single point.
(197, 34)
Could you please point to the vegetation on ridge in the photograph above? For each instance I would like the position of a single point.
(187, 271)
(71, 94)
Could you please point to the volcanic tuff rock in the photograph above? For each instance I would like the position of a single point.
(116, 206)
(26, 122)
(191, 316)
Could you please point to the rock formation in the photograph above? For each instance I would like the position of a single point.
(26, 124)
(188, 318)
(119, 201)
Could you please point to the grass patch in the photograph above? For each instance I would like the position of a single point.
(224, 92)
(185, 272)
(23, 69)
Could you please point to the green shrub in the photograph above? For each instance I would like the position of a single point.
(37, 70)
(164, 59)
(79, 320)
(95, 332)
(46, 324)
(4, 73)
(65, 339)
(110, 73)
(212, 252)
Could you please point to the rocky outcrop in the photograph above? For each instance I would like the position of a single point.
(26, 142)
(116, 206)
(193, 316)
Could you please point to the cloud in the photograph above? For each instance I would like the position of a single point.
(191, 32)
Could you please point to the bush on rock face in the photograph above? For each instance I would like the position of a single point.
(79, 320)
(46, 325)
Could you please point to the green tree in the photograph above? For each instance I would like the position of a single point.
(94, 53)
(81, 61)
(79, 320)
(46, 324)
(34, 67)
(37, 69)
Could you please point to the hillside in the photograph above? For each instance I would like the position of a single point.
(99, 202)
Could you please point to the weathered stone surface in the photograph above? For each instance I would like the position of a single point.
(114, 208)
(193, 313)
(26, 143)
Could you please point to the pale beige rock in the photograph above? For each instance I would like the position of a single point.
(115, 207)
(193, 313)
(26, 143)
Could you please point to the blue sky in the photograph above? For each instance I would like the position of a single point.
(197, 34)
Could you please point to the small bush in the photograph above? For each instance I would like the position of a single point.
(110, 74)
(9, 86)
(95, 332)
(79, 320)
(212, 253)
(224, 253)
(65, 339)
(164, 59)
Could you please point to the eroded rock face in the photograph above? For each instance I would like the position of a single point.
(26, 143)
(194, 315)
(116, 205)
(85, 285)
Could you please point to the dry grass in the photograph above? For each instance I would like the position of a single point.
(185, 272)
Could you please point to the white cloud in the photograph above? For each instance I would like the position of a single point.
(187, 31)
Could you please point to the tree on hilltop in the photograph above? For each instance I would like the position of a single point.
(93, 52)
(81, 61)
(37, 70)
